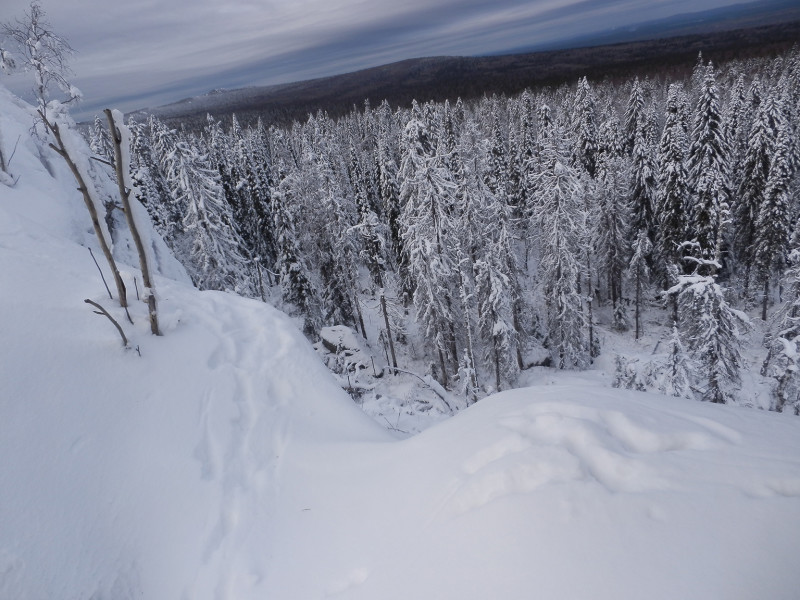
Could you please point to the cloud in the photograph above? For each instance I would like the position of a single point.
(149, 52)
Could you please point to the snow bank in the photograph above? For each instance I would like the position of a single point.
(221, 461)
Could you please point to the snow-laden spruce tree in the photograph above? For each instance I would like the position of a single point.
(495, 317)
(634, 115)
(639, 274)
(773, 224)
(148, 171)
(708, 170)
(496, 175)
(332, 243)
(214, 247)
(642, 192)
(737, 125)
(674, 376)
(295, 279)
(755, 172)
(561, 239)
(426, 192)
(100, 141)
(389, 195)
(673, 210)
(783, 341)
(611, 219)
(472, 196)
(711, 328)
(584, 128)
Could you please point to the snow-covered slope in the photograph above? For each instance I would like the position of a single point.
(221, 461)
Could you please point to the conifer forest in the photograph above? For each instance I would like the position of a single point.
(489, 236)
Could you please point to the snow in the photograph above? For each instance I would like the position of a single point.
(223, 461)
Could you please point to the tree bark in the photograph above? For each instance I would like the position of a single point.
(83, 188)
(124, 194)
(388, 328)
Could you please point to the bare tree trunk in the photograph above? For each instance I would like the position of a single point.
(84, 189)
(260, 279)
(359, 315)
(638, 304)
(590, 297)
(518, 329)
(124, 193)
(496, 366)
(388, 328)
(444, 368)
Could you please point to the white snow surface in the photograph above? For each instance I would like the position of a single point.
(222, 461)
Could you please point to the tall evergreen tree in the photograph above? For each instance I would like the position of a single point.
(295, 278)
(639, 272)
(562, 237)
(213, 242)
(673, 190)
(773, 223)
(708, 163)
(783, 341)
(495, 318)
(713, 330)
(611, 243)
(634, 115)
(426, 193)
(585, 128)
(756, 167)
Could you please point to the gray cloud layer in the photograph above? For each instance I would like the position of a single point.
(138, 53)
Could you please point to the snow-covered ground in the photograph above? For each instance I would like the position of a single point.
(223, 461)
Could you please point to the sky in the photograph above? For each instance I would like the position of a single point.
(135, 54)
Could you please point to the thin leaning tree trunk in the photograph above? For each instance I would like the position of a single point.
(124, 194)
(83, 188)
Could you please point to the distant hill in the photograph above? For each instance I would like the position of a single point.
(726, 18)
(438, 78)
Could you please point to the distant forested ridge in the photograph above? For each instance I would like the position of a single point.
(508, 230)
(449, 77)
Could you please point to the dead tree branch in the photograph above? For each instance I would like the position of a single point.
(103, 311)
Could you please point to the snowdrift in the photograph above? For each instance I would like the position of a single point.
(222, 460)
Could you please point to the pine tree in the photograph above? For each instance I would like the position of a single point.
(712, 330)
(426, 193)
(561, 239)
(264, 252)
(495, 320)
(100, 141)
(634, 116)
(149, 178)
(389, 194)
(783, 341)
(737, 126)
(496, 176)
(611, 229)
(708, 160)
(639, 271)
(773, 224)
(676, 378)
(214, 244)
(585, 128)
(295, 279)
(642, 190)
(755, 173)
(673, 191)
